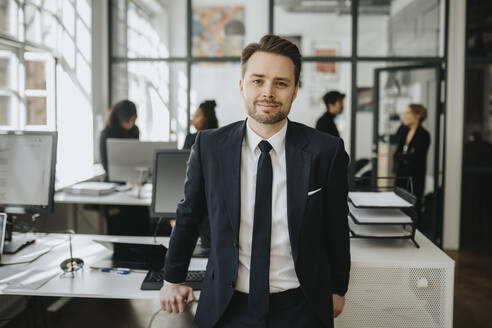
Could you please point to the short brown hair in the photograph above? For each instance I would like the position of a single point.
(276, 45)
(419, 109)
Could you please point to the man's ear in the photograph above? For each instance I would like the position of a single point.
(241, 86)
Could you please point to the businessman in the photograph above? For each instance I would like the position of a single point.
(276, 196)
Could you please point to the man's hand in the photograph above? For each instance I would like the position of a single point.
(175, 298)
(338, 303)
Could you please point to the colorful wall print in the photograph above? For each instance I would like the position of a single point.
(218, 31)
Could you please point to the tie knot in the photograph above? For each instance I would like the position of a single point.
(265, 146)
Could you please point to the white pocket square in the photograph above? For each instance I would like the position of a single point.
(314, 191)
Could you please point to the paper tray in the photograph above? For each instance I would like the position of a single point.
(380, 231)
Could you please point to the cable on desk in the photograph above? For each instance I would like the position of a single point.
(157, 229)
(153, 318)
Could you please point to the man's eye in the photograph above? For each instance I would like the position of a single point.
(281, 84)
(256, 81)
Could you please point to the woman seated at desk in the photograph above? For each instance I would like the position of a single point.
(122, 219)
(203, 119)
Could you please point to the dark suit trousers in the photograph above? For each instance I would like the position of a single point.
(287, 309)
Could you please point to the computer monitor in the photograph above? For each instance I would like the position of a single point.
(27, 171)
(129, 159)
(168, 181)
(3, 226)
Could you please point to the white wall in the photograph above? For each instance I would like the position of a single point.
(454, 124)
(100, 80)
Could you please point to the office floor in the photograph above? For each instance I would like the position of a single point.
(472, 306)
(473, 289)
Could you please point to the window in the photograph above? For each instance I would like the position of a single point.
(8, 88)
(401, 28)
(321, 28)
(57, 47)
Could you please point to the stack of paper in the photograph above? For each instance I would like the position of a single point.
(389, 230)
(378, 199)
(378, 215)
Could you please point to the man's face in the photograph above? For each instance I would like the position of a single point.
(268, 87)
(337, 107)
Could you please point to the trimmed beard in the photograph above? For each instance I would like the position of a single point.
(267, 119)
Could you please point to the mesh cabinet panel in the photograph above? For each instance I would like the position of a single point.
(398, 298)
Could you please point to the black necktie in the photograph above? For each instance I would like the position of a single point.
(259, 274)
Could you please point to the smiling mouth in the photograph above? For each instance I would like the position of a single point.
(268, 105)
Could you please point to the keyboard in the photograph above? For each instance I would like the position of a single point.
(155, 278)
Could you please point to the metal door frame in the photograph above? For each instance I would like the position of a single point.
(437, 215)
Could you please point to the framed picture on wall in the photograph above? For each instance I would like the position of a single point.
(217, 31)
(323, 76)
(328, 70)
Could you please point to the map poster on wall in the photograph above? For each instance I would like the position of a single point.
(217, 31)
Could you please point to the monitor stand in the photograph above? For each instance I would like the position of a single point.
(12, 245)
(16, 244)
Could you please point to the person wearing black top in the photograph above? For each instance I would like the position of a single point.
(119, 124)
(334, 106)
(122, 220)
(203, 119)
(410, 158)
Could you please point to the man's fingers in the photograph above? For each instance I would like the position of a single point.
(174, 307)
(190, 297)
(181, 303)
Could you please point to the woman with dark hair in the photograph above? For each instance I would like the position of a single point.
(122, 219)
(203, 119)
(120, 123)
(410, 158)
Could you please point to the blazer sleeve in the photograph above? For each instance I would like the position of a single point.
(189, 215)
(338, 243)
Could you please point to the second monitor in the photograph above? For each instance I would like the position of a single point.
(168, 181)
(130, 160)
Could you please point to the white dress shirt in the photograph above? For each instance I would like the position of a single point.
(282, 272)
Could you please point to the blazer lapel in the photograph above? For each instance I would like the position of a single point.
(230, 169)
(298, 164)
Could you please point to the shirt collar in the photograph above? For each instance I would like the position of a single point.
(277, 140)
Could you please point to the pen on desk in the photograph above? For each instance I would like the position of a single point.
(117, 270)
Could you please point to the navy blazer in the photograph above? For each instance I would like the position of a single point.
(318, 226)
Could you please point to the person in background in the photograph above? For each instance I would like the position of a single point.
(120, 123)
(122, 219)
(203, 119)
(334, 106)
(410, 158)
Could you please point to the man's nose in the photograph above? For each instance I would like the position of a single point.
(267, 91)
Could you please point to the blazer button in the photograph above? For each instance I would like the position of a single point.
(235, 245)
(232, 284)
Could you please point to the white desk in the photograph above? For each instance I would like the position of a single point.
(87, 282)
(392, 283)
(128, 197)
